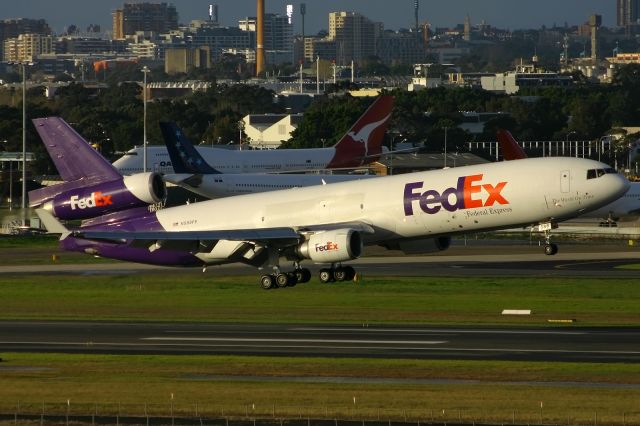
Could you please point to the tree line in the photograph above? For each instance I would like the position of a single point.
(112, 118)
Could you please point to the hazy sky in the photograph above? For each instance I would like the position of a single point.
(394, 13)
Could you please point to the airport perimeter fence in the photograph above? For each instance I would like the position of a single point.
(47, 413)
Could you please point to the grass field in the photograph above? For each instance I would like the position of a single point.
(240, 386)
(194, 296)
(559, 393)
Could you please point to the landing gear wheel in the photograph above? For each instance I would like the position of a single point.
(293, 279)
(303, 275)
(340, 274)
(282, 280)
(350, 273)
(550, 249)
(325, 275)
(267, 282)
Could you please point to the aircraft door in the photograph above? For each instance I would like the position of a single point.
(565, 178)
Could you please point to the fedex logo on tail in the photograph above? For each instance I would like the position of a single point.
(96, 199)
(469, 193)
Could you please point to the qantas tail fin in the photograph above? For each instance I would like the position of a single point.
(77, 162)
(362, 144)
(185, 158)
(510, 148)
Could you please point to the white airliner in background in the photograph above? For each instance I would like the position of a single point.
(361, 145)
(193, 173)
(414, 212)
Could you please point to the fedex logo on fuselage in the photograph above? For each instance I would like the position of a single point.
(96, 199)
(469, 193)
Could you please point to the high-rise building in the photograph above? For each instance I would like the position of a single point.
(133, 17)
(628, 12)
(354, 34)
(278, 36)
(26, 47)
(12, 28)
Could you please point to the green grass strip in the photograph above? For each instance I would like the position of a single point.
(181, 295)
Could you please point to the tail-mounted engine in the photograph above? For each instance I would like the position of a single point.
(131, 191)
(332, 246)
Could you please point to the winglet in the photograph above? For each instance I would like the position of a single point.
(53, 225)
(363, 141)
(185, 158)
(510, 148)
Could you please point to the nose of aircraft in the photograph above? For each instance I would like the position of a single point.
(616, 186)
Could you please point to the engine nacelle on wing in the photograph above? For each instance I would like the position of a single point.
(421, 246)
(332, 246)
(129, 192)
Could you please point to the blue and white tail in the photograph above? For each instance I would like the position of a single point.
(185, 158)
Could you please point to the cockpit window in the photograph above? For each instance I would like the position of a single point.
(596, 173)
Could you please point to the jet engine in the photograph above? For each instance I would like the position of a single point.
(332, 246)
(131, 191)
(421, 246)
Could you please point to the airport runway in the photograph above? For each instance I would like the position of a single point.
(489, 261)
(531, 344)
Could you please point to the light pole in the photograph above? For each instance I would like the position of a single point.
(145, 70)
(24, 142)
(573, 132)
(318, 75)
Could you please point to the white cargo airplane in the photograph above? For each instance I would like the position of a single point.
(362, 144)
(415, 212)
(193, 173)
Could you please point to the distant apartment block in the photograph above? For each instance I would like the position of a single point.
(352, 37)
(400, 48)
(26, 47)
(184, 59)
(12, 28)
(133, 17)
(355, 36)
(278, 36)
(627, 12)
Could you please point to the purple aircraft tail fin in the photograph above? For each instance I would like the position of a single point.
(92, 187)
(77, 162)
(75, 159)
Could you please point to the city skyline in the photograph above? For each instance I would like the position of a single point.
(508, 14)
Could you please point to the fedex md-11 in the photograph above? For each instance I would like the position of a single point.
(330, 224)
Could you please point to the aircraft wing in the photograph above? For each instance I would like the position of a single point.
(283, 235)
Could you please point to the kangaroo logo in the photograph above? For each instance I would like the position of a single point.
(362, 136)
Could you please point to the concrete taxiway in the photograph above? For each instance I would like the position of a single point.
(530, 344)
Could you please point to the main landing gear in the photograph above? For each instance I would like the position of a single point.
(339, 273)
(302, 275)
(285, 279)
